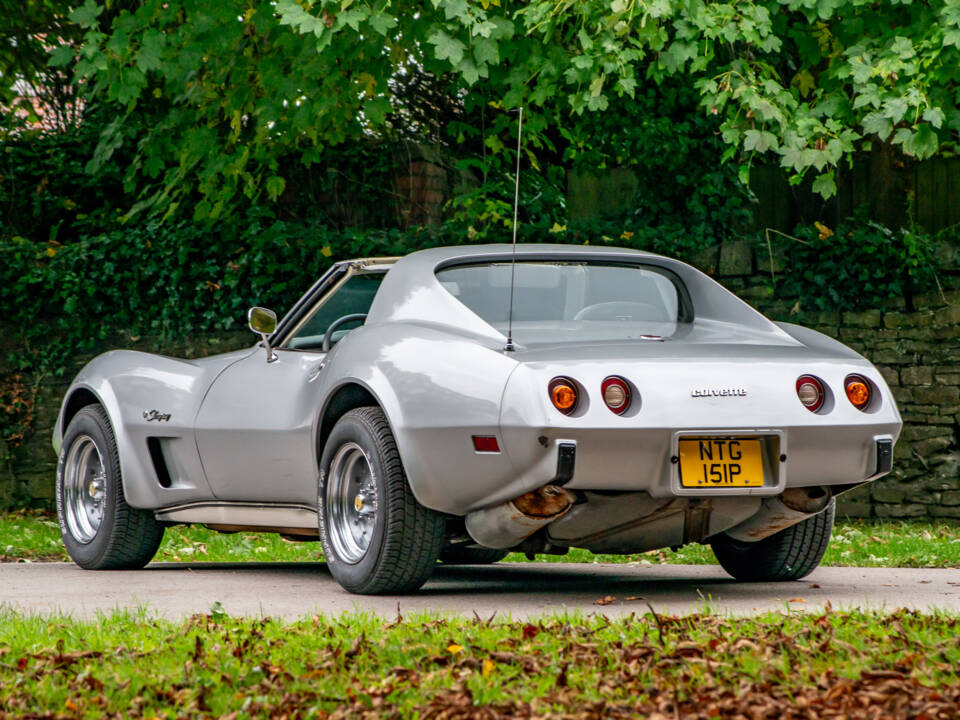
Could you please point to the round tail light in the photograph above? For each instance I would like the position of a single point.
(616, 394)
(563, 394)
(810, 392)
(857, 388)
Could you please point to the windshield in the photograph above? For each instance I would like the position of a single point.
(572, 301)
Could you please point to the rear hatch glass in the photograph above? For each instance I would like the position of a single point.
(569, 301)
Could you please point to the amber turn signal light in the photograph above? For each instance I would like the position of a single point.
(563, 394)
(858, 391)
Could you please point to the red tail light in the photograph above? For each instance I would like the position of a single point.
(616, 394)
(810, 391)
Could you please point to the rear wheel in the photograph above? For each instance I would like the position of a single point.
(376, 537)
(99, 529)
(459, 555)
(790, 554)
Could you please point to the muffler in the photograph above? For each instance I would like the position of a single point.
(507, 525)
(778, 513)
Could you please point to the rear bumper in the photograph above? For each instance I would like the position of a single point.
(640, 460)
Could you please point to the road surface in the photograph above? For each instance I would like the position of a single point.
(518, 590)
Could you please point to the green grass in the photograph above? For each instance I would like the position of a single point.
(34, 536)
(858, 543)
(132, 665)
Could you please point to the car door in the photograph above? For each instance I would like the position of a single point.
(256, 428)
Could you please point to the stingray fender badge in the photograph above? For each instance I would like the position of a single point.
(721, 392)
(149, 415)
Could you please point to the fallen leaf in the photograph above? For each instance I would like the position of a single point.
(796, 600)
(454, 648)
(604, 600)
(488, 667)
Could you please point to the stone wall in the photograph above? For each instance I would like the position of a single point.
(918, 353)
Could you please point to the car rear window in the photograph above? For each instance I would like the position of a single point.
(557, 301)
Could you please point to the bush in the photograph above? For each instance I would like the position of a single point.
(861, 264)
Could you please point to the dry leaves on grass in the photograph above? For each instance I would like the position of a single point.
(833, 665)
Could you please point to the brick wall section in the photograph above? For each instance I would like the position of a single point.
(918, 354)
(421, 193)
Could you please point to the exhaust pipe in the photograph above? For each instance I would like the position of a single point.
(778, 513)
(507, 525)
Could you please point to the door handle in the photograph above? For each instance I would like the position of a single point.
(315, 372)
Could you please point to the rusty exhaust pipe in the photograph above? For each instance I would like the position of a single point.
(778, 513)
(507, 525)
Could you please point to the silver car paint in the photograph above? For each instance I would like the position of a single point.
(129, 384)
(256, 430)
(440, 374)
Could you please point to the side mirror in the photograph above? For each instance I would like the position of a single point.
(263, 322)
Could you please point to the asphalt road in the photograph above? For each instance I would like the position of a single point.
(518, 590)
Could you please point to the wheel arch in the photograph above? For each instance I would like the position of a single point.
(79, 398)
(348, 396)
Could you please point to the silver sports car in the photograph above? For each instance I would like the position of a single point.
(459, 403)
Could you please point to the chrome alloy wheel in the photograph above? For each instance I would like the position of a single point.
(351, 503)
(84, 489)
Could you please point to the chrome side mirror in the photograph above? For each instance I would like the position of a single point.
(263, 322)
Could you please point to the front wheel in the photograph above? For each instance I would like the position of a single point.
(99, 529)
(376, 537)
(790, 554)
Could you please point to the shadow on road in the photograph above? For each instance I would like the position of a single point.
(556, 581)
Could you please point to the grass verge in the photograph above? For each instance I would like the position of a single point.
(35, 536)
(854, 664)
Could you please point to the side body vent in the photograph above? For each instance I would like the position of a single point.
(159, 463)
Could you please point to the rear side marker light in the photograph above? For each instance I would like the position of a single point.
(616, 394)
(486, 443)
(563, 394)
(810, 392)
(857, 388)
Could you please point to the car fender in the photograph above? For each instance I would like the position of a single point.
(147, 396)
(438, 389)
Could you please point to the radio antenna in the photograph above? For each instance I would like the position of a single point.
(513, 261)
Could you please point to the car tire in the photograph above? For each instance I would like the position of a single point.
(790, 554)
(100, 530)
(459, 555)
(376, 537)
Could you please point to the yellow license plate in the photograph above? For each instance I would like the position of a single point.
(720, 462)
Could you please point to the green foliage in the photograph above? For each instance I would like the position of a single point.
(861, 265)
(45, 193)
(28, 34)
(208, 96)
